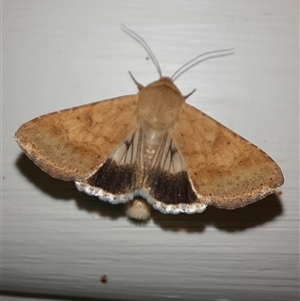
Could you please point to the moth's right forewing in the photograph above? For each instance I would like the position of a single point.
(72, 143)
(225, 169)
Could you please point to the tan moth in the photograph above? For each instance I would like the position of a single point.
(150, 148)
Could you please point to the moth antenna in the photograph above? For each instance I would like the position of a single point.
(140, 86)
(188, 95)
(200, 58)
(144, 44)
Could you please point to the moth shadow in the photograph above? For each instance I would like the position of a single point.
(240, 219)
(66, 191)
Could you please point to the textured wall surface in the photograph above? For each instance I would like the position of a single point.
(57, 241)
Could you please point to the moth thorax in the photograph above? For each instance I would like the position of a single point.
(159, 106)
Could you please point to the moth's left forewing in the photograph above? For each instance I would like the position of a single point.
(71, 144)
(225, 170)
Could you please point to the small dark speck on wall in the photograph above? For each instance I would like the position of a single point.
(103, 279)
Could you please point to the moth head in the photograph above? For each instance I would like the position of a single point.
(159, 104)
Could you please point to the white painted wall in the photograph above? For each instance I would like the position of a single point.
(57, 241)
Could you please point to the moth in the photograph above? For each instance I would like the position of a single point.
(150, 149)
